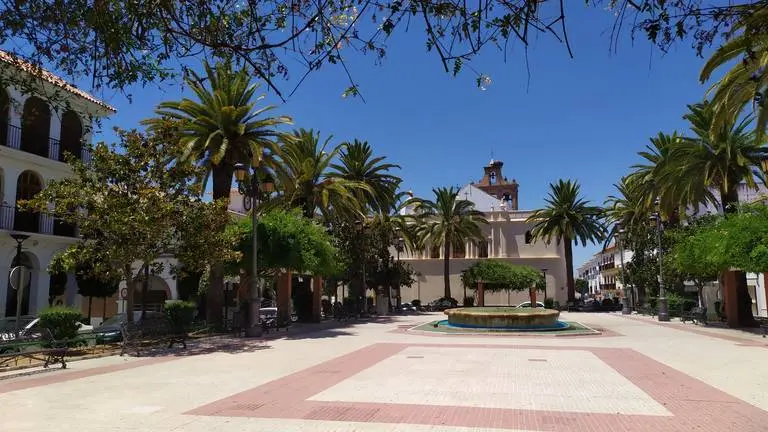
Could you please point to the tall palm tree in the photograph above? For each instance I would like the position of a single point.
(221, 127)
(304, 179)
(717, 157)
(720, 158)
(567, 218)
(357, 163)
(448, 222)
(746, 82)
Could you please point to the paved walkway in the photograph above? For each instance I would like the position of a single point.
(639, 375)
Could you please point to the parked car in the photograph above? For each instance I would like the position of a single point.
(267, 313)
(527, 304)
(109, 330)
(407, 307)
(442, 304)
(34, 325)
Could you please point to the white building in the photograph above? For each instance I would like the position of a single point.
(603, 270)
(506, 237)
(37, 129)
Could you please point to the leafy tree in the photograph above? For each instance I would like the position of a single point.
(691, 255)
(133, 206)
(118, 43)
(448, 222)
(58, 286)
(93, 285)
(498, 275)
(582, 286)
(567, 218)
(219, 129)
(287, 241)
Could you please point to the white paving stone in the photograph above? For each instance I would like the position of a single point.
(527, 379)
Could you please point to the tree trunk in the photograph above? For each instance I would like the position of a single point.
(128, 275)
(144, 291)
(568, 246)
(729, 200)
(700, 293)
(90, 301)
(222, 184)
(447, 268)
(104, 310)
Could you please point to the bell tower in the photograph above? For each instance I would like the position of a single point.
(495, 184)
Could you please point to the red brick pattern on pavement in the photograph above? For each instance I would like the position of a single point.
(695, 406)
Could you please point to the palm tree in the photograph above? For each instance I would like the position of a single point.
(720, 158)
(357, 163)
(567, 218)
(746, 82)
(448, 222)
(305, 181)
(220, 128)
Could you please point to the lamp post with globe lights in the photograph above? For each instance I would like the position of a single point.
(622, 235)
(252, 188)
(663, 314)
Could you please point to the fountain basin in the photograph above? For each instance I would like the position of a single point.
(505, 318)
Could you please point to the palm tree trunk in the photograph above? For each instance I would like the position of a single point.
(447, 268)
(222, 184)
(568, 246)
(729, 200)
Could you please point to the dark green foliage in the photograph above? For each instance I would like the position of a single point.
(58, 286)
(469, 301)
(287, 240)
(61, 321)
(180, 314)
(549, 303)
(499, 275)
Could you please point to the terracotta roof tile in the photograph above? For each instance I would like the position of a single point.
(9, 58)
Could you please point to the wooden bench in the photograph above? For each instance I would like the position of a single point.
(36, 344)
(150, 332)
(697, 315)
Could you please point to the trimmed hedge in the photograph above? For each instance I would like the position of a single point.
(180, 314)
(63, 322)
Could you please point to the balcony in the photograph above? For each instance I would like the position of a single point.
(38, 143)
(608, 287)
(607, 266)
(16, 219)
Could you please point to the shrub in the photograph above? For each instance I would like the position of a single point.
(62, 322)
(180, 314)
(416, 303)
(469, 301)
(549, 303)
(608, 302)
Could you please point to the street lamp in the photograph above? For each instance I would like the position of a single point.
(399, 247)
(626, 310)
(19, 238)
(663, 314)
(249, 186)
(360, 226)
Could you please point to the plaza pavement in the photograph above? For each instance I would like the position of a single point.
(639, 375)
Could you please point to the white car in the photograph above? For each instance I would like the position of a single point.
(527, 304)
(10, 334)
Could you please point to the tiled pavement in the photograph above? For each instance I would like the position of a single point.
(375, 377)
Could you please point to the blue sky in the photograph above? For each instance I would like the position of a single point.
(583, 118)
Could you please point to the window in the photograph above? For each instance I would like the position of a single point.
(482, 247)
(528, 237)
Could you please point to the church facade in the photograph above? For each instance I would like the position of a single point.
(507, 237)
